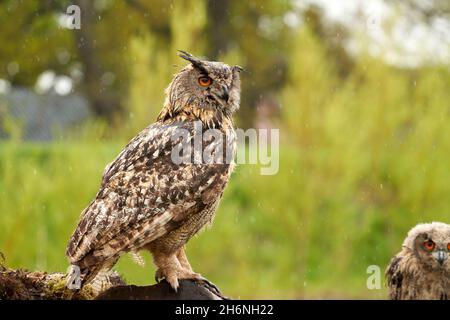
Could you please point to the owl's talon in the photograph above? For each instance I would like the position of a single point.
(211, 286)
(159, 275)
(176, 267)
(170, 276)
(173, 281)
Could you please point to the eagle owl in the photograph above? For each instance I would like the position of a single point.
(148, 201)
(422, 269)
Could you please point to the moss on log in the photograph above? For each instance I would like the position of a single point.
(26, 285)
(35, 285)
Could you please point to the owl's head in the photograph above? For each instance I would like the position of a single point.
(204, 85)
(430, 243)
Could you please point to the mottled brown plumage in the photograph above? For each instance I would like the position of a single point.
(149, 201)
(422, 269)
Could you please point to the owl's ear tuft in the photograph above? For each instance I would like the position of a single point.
(186, 55)
(196, 62)
(238, 68)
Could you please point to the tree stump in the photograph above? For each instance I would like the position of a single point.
(27, 285)
(35, 285)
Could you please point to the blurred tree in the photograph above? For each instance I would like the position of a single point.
(31, 40)
(333, 36)
(255, 34)
(258, 33)
(218, 27)
(152, 61)
(104, 45)
(427, 10)
(35, 41)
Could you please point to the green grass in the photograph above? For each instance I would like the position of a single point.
(309, 231)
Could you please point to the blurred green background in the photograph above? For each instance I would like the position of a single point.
(360, 93)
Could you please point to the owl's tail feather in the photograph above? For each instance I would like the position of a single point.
(104, 280)
(137, 258)
(99, 277)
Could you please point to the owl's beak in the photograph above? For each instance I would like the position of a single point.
(221, 95)
(238, 68)
(440, 256)
(225, 94)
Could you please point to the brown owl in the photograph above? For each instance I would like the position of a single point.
(422, 269)
(160, 191)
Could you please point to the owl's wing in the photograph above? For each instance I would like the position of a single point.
(394, 278)
(143, 196)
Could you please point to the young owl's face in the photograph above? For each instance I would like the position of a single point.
(432, 246)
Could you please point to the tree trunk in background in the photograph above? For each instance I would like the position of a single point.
(218, 27)
(101, 103)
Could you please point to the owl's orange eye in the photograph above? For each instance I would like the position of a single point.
(448, 247)
(204, 81)
(429, 245)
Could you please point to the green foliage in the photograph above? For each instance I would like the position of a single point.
(33, 42)
(152, 63)
(373, 156)
(28, 30)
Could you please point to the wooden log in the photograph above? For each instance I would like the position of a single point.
(35, 285)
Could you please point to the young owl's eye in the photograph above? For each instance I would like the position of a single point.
(429, 245)
(448, 246)
(204, 81)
